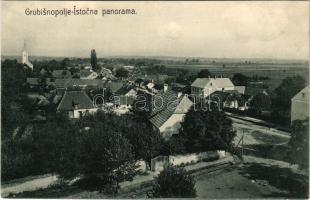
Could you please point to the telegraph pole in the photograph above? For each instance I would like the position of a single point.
(242, 143)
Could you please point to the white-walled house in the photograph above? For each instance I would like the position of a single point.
(300, 105)
(76, 104)
(203, 87)
(168, 117)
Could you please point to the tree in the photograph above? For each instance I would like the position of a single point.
(207, 130)
(93, 59)
(65, 62)
(122, 72)
(282, 95)
(102, 152)
(173, 182)
(145, 140)
(204, 73)
(288, 88)
(240, 79)
(299, 143)
(260, 102)
(175, 145)
(13, 95)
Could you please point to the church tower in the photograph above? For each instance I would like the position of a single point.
(24, 54)
(25, 60)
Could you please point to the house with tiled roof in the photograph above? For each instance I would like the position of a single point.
(300, 105)
(203, 87)
(168, 111)
(76, 104)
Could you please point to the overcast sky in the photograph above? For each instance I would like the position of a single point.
(191, 29)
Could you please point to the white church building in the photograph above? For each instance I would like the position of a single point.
(25, 59)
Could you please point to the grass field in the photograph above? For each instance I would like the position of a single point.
(275, 72)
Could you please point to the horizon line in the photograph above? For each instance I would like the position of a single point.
(160, 56)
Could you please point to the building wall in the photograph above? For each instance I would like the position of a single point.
(208, 89)
(196, 91)
(299, 110)
(172, 125)
(158, 163)
(77, 112)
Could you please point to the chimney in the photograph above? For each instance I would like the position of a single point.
(165, 87)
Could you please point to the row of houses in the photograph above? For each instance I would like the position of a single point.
(166, 105)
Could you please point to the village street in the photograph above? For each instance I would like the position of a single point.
(257, 176)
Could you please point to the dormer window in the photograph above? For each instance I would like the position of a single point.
(303, 95)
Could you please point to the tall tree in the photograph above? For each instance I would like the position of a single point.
(282, 95)
(122, 72)
(260, 102)
(240, 79)
(102, 152)
(173, 182)
(207, 130)
(288, 88)
(93, 59)
(204, 73)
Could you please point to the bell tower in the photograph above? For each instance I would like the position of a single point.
(24, 54)
(25, 60)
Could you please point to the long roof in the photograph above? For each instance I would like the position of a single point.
(114, 86)
(201, 82)
(78, 98)
(171, 104)
(219, 82)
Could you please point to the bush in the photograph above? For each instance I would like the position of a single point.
(173, 182)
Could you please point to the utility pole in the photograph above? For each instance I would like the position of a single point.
(242, 143)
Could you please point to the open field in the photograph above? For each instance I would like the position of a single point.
(275, 72)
